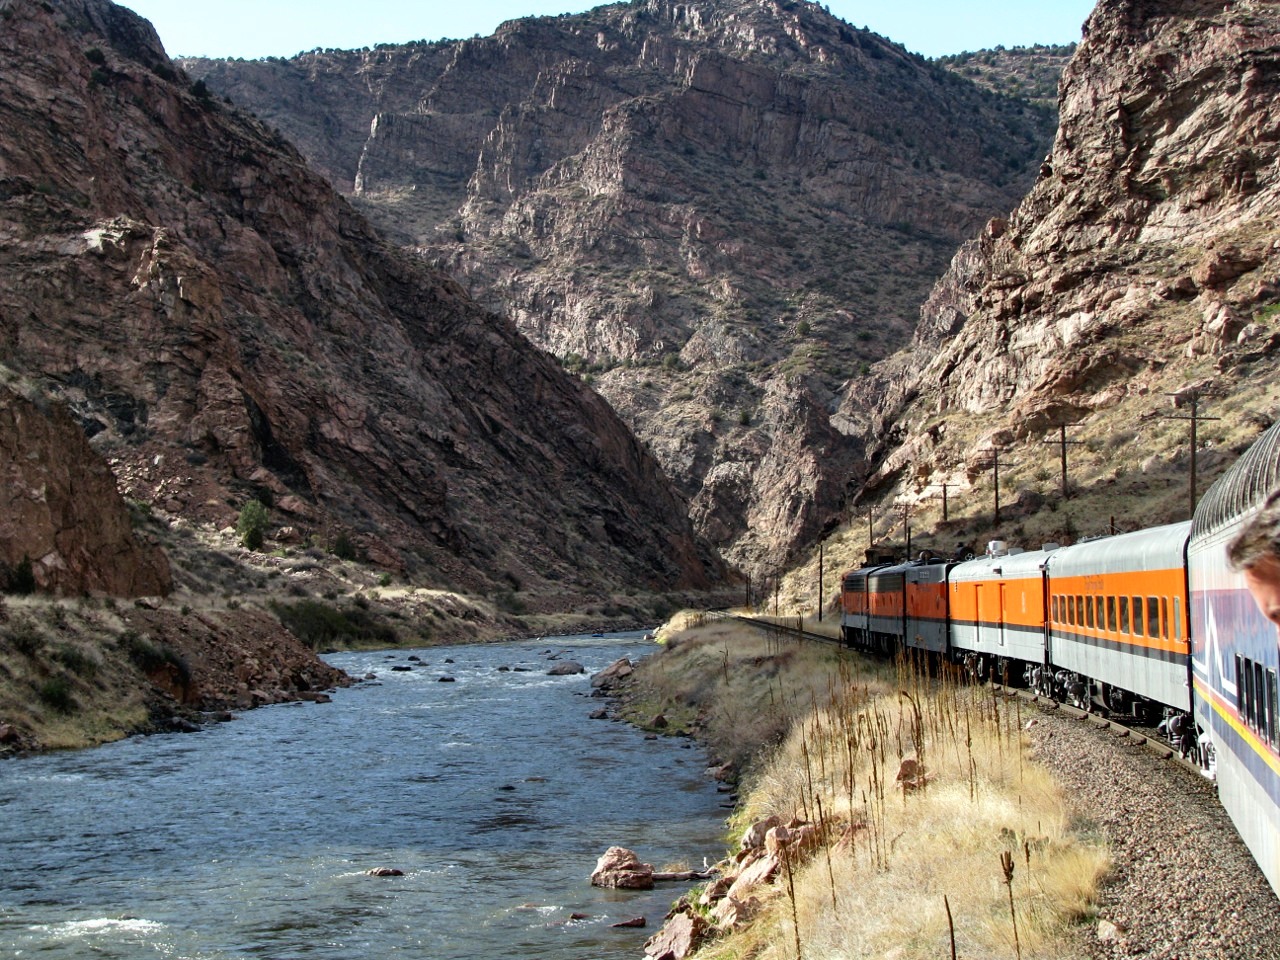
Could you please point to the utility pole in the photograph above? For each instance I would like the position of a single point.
(944, 497)
(995, 464)
(748, 591)
(905, 509)
(1062, 442)
(821, 558)
(1193, 399)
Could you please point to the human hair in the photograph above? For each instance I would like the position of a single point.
(1259, 538)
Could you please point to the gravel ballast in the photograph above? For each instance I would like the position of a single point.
(1182, 885)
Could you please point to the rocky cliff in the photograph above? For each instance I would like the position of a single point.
(224, 326)
(717, 211)
(62, 513)
(1139, 274)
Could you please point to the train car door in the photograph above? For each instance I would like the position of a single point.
(1001, 638)
(990, 614)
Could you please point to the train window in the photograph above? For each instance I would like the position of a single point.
(1177, 618)
(1259, 698)
(1153, 617)
(1164, 617)
(1124, 614)
(1071, 611)
(1137, 616)
(1088, 611)
(1273, 705)
(1080, 611)
(1111, 613)
(1053, 609)
(1240, 700)
(1251, 700)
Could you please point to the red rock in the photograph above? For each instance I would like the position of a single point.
(678, 937)
(619, 868)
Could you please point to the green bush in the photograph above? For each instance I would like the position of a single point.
(343, 548)
(76, 660)
(56, 693)
(149, 655)
(25, 636)
(320, 625)
(19, 578)
(252, 525)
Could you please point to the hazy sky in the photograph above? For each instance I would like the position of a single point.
(260, 28)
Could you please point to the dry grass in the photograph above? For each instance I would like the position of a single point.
(894, 852)
(738, 687)
(60, 676)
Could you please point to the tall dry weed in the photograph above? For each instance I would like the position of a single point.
(925, 786)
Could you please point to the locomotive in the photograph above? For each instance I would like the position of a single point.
(1153, 625)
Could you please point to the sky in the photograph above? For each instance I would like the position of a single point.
(282, 28)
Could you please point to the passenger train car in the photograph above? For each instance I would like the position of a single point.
(1152, 625)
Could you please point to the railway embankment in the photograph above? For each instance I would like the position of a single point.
(938, 816)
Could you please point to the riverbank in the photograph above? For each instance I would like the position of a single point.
(909, 816)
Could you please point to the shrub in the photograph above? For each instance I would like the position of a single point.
(252, 525)
(25, 636)
(56, 693)
(320, 625)
(149, 655)
(76, 660)
(19, 578)
(343, 548)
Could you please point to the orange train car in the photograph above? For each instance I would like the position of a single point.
(1118, 615)
(997, 612)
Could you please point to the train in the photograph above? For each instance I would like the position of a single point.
(1154, 626)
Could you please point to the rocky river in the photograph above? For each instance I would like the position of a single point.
(488, 798)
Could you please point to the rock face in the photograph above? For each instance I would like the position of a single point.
(224, 326)
(719, 211)
(61, 509)
(1142, 263)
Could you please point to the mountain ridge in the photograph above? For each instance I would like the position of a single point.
(717, 211)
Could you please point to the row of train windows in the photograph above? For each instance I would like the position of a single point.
(1138, 616)
(1256, 698)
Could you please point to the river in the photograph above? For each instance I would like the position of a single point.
(494, 794)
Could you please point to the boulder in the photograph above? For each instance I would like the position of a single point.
(755, 834)
(620, 869)
(678, 937)
(911, 774)
(567, 669)
(610, 675)
(759, 871)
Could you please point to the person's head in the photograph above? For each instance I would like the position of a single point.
(1255, 552)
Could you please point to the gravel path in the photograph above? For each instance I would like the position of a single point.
(1183, 886)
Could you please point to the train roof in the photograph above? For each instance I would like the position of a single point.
(1241, 489)
(1028, 563)
(1155, 548)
